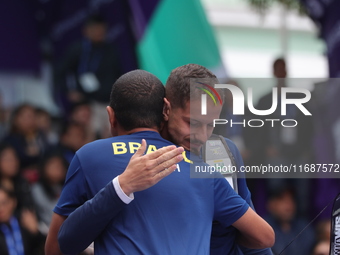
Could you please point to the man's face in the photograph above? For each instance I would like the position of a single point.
(283, 207)
(74, 138)
(189, 128)
(96, 33)
(280, 70)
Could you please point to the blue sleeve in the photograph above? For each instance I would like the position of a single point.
(83, 226)
(229, 206)
(75, 191)
(244, 192)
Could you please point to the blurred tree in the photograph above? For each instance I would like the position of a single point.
(263, 5)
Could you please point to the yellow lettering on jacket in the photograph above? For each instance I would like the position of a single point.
(119, 148)
(133, 147)
(151, 148)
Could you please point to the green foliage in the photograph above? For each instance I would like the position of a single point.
(263, 5)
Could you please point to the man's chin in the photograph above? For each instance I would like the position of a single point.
(195, 148)
(197, 152)
(192, 147)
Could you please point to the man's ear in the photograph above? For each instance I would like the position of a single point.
(112, 116)
(166, 109)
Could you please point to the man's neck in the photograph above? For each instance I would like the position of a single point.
(135, 130)
(164, 132)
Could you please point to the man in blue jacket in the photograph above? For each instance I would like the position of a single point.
(187, 127)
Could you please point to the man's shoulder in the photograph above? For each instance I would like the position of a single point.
(96, 144)
(229, 142)
(237, 157)
(125, 142)
(232, 146)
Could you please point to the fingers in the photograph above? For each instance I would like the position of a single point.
(141, 149)
(173, 160)
(169, 155)
(169, 158)
(156, 154)
(161, 151)
(163, 158)
(144, 171)
(162, 174)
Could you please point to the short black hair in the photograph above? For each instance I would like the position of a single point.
(76, 105)
(95, 19)
(282, 190)
(137, 98)
(178, 87)
(13, 128)
(67, 125)
(43, 179)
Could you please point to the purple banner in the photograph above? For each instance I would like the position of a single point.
(19, 44)
(26, 25)
(326, 15)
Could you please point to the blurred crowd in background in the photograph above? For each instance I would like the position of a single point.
(37, 144)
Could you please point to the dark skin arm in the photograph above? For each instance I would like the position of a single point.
(51, 245)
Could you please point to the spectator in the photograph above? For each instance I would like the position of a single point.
(47, 190)
(282, 218)
(72, 137)
(44, 125)
(26, 139)
(88, 70)
(81, 113)
(18, 234)
(11, 179)
(280, 145)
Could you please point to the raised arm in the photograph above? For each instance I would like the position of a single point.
(82, 227)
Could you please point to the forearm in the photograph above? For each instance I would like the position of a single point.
(248, 242)
(254, 232)
(51, 244)
(84, 225)
(256, 241)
